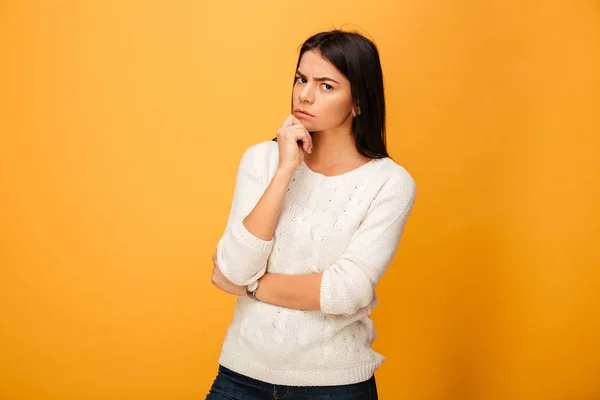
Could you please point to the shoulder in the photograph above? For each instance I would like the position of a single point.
(262, 150)
(261, 153)
(396, 188)
(397, 177)
(262, 158)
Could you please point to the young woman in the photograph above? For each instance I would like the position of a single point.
(316, 219)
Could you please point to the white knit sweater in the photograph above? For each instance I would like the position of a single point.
(348, 227)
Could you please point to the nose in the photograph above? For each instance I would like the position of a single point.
(306, 94)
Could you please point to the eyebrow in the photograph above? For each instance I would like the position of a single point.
(323, 79)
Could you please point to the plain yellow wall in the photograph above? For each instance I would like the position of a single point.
(122, 123)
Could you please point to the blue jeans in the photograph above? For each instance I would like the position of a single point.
(230, 385)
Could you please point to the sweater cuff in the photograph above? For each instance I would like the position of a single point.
(242, 257)
(247, 239)
(326, 297)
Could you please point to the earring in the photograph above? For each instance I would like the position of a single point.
(353, 113)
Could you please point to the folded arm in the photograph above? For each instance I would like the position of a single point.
(348, 284)
(244, 248)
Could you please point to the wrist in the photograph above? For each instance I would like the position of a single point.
(286, 172)
(252, 289)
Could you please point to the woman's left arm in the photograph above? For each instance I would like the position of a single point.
(348, 284)
(300, 292)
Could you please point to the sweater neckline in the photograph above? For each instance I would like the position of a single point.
(338, 176)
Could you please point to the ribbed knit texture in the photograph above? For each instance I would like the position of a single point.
(346, 226)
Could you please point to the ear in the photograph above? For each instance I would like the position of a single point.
(356, 111)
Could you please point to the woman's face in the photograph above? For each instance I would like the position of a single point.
(321, 91)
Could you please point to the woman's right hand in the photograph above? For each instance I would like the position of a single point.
(293, 140)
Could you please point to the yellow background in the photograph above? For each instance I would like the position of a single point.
(122, 123)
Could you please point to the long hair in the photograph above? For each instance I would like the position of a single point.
(357, 58)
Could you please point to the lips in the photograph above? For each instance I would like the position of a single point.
(304, 112)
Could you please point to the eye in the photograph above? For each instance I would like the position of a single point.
(299, 79)
(327, 87)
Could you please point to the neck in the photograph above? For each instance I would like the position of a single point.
(333, 146)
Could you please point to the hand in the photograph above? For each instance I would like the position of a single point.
(219, 280)
(293, 140)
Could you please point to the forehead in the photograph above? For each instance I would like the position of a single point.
(313, 64)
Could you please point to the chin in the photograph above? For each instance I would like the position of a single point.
(308, 124)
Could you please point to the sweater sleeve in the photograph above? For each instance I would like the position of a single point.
(242, 257)
(349, 283)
